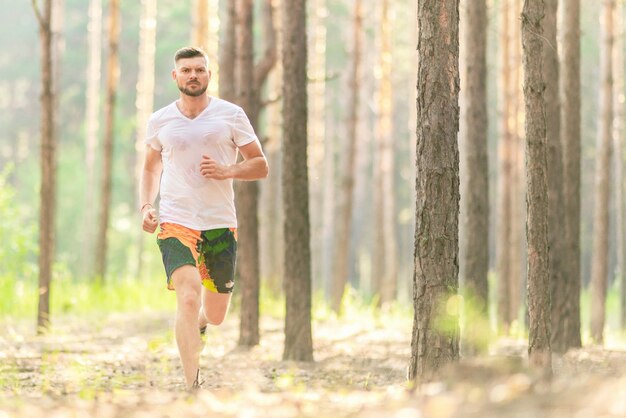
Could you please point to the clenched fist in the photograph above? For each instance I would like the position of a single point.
(211, 169)
(150, 221)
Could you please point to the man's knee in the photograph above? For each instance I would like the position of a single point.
(214, 318)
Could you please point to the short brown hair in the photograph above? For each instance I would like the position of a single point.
(190, 52)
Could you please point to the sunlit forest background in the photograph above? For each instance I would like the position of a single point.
(133, 256)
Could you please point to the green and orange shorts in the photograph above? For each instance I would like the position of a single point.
(213, 252)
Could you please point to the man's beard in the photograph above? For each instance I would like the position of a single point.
(192, 93)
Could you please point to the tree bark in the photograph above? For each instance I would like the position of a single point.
(538, 274)
(476, 181)
(556, 210)
(435, 339)
(505, 152)
(47, 194)
(247, 192)
(571, 142)
(228, 54)
(92, 127)
(109, 119)
(386, 192)
(348, 158)
(618, 141)
(249, 85)
(298, 338)
(599, 268)
(144, 102)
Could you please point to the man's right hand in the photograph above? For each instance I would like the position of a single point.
(150, 221)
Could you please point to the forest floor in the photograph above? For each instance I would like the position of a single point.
(126, 365)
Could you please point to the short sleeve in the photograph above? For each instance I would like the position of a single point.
(243, 133)
(152, 137)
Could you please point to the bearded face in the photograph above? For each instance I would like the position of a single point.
(192, 76)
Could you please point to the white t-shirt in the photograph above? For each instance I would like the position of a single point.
(188, 198)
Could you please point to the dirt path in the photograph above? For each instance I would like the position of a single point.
(127, 366)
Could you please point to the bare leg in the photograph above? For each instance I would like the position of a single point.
(214, 307)
(186, 280)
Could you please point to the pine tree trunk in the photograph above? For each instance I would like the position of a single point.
(505, 151)
(92, 127)
(298, 338)
(317, 130)
(476, 187)
(618, 141)
(249, 84)
(435, 339)
(556, 224)
(348, 158)
(47, 193)
(247, 192)
(538, 279)
(599, 269)
(386, 143)
(571, 143)
(228, 55)
(109, 116)
(144, 102)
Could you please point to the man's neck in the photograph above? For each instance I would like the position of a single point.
(192, 106)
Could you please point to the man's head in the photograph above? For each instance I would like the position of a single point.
(191, 71)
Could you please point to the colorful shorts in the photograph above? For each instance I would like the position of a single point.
(213, 252)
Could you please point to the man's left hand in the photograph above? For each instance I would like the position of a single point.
(211, 169)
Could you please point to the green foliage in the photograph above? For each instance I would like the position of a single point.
(18, 235)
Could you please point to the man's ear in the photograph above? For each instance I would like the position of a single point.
(174, 74)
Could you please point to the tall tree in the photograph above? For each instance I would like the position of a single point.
(145, 98)
(385, 262)
(348, 158)
(600, 262)
(92, 116)
(505, 157)
(571, 142)
(476, 181)
(228, 54)
(47, 194)
(435, 339)
(618, 141)
(298, 338)
(249, 85)
(205, 34)
(556, 211)
(109, 118)
(538, 274)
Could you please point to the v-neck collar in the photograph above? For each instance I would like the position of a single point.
(180, 112)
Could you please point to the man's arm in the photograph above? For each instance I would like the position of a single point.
(253, 167)
(149, 188)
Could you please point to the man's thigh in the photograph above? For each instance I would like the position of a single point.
(215, 305)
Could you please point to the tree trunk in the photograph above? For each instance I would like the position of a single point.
(228, 54)
(518, 245)
(92, 127)
(249, 84)
(144, 102)
(556, 210)
(348, 158)
(109, 116)
(538, 279)
(298, 338)
(47, 194)
(599, 268)
(386, 164)
(317, 132)
(505, 151)
(571, 143)
(435, 340)
(618, 140)
(247, 192)
(205, 34)
(476, 181)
